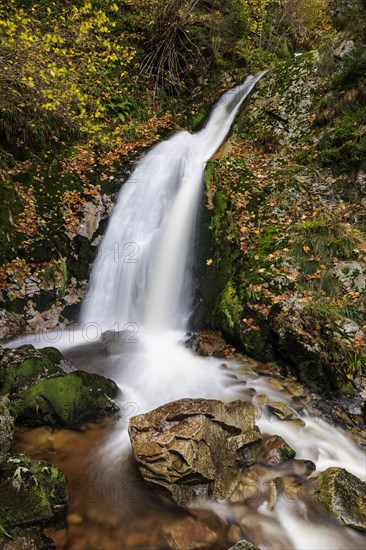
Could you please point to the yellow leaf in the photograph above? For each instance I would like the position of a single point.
(209, 262)
(306, 249)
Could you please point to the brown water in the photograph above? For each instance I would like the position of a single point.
(108, 513)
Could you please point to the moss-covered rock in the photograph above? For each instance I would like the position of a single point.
(41, 392)
(6, 428)
(21, 374)
(31, 492)
(282, 264)
(284, 101)
(65, 400)
(344, 497)
(53, 354)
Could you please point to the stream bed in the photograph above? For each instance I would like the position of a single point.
(111, 507)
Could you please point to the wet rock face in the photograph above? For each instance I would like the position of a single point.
(344, 497)
(31, 492)
(6, 428)
(195, 447)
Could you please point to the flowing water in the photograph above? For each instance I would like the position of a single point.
(142, 285)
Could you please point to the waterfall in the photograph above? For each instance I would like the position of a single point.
(142, 273)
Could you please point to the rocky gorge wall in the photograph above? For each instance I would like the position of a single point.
(283, 247)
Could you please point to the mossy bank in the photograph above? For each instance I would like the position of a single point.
(283, 247)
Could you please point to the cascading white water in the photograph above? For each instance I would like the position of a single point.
(141, 274)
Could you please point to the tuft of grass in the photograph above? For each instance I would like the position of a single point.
(325, 239)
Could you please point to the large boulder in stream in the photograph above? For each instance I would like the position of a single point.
(195, 447)
(344, 497)
(41, 392)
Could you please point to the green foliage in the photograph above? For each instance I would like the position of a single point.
(284, 26)
(4, 533)
(230, 306)
(354, 364)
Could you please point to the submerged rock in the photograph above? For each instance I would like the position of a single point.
(65, 400)
(31, 492)
(189, 533)
(275, 450)
(195, 447)
(344, 497)
(6, 428)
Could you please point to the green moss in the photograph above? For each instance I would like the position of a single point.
(52, 480)
(288, 452)
(53, 354)
(65, 400)
(230, 306)
(29, 491)
(22, 374)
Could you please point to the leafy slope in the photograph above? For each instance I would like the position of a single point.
(289, 237)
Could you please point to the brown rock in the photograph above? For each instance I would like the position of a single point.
(281, 410)
(275, 450)
(244, 545)
(296, 389)
(195, 447)
(208, 343)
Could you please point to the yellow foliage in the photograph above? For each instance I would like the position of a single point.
(52, 50)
